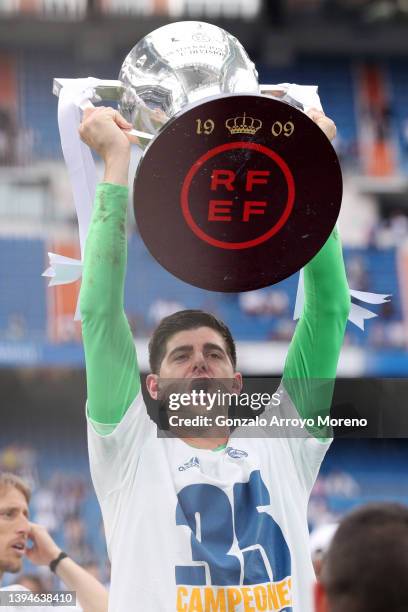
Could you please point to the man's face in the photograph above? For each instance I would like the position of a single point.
(14, 529)
(195, 353)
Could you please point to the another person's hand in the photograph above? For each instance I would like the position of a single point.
(44, 549)
(326, 124)
(92, 595)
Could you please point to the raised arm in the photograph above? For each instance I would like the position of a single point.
(113, 379)
(311, 364)
(92, 595)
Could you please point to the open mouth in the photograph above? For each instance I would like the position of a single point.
(201, 384)
(19, 548)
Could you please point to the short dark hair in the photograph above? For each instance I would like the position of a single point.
(366, 566)
(181, 321)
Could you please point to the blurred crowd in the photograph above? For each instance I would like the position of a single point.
(64, 503)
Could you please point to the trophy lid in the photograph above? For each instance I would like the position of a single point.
(177, 65)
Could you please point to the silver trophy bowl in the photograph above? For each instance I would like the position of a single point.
(177, 65)
(172, 68)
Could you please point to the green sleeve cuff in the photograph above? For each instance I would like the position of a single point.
(112, 189)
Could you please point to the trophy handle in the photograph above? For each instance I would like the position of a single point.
(276, 90)
(281, 92)
(105, 90)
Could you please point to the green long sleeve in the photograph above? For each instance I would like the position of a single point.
(113, 379)
(311, 363)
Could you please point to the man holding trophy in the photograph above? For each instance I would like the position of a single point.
(214, 523)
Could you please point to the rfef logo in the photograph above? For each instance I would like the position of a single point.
(223, 197)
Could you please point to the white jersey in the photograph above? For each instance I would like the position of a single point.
(192, 530)
(14, 589)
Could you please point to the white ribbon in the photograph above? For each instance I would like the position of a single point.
(305, 94)
(82, 173)
(63, 270)
(358, 315)
(77, 155)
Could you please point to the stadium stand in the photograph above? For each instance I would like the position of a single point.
(22, 297)
(156, 293)
(398, 82)
(38, 108)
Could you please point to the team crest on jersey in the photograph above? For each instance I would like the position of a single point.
(235, 453)
(193, 462)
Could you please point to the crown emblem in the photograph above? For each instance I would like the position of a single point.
(243, 125)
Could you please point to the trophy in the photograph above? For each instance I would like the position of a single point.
(237, 188)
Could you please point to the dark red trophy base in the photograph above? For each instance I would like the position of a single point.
(237, 193)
